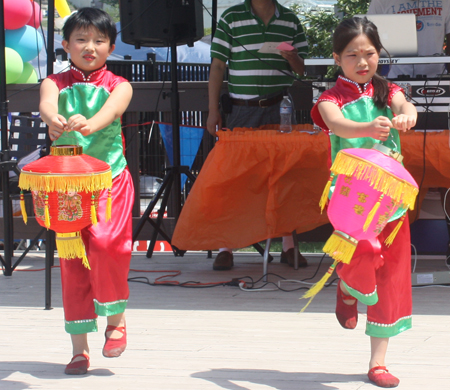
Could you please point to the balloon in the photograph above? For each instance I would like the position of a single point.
(59, 23)
(36, 16)
(29, 75)
(27, 41)
(62, 8)
(17, 13)
(14, 65)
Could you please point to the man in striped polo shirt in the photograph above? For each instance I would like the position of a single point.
(257, 81)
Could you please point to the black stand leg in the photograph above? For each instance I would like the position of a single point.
(173, 174)
(49, 261)
(172, 181)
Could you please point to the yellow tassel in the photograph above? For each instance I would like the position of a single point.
(378, 178)
(326, 191)
(23, 209)
(390, 239)
(372, 213)
(317, 287)
(340, 247)
(108, 206)
(93, 211)
(49, 183)
(46, 213)
(70, 246)
(85, 262)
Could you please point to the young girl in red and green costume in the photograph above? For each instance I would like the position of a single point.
(360, 110)
(83, 106)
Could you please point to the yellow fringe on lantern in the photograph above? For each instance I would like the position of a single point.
(46, 213)
(70, 246)
(67, 182)
(23, 209)
(108, 206)
(317, 287)
(340, 246)
(93, 211)
(372, 213)
(390, 239)
(326, 191)
(380, 179)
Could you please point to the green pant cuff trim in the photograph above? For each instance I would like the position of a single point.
(366, 299)
(110, 308)
(388, 330)
(81, 326)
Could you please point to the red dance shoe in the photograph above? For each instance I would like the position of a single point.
(347, 315)
(115, 347)
(382, 378)
(79, 367)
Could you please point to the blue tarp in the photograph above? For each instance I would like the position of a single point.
(190, 139)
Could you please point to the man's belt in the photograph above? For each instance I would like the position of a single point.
(258, 103)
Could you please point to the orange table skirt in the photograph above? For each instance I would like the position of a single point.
(263, 184)
(255, 185)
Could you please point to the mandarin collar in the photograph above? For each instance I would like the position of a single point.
(248, 6)
(354, 85)
(79, 74)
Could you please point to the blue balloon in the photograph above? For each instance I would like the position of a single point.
(26, 41)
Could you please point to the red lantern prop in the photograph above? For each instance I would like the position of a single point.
(65, 187)
(371, 187)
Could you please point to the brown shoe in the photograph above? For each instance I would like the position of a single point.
(288, 257)
(223, 261)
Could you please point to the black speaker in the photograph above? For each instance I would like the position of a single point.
(159, 23)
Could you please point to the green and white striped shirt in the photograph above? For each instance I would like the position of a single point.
(239, 36)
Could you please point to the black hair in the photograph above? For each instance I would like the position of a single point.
(88, 17)
(349, 29)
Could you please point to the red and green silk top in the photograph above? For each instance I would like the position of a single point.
(83, 95)
(356, 104)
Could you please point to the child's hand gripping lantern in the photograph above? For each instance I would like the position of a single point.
(65, 187)
(371, 187)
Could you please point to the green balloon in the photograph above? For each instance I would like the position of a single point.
(28, 76)
(14, 65)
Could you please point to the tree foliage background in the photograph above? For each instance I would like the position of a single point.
(320, 25)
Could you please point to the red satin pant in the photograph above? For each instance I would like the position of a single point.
(377, 269)
(103, 290)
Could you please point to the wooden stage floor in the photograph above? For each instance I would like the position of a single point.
(217, 338)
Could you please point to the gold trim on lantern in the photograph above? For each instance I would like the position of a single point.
(380, 179)
(388, 152)
(390, 239)
(326, 191)
(66, 150)
(372, 213)
(70, 246)
(23, 208)
(49, 182)
(93, 211)
(317, 287)
(340, 246)
(108, 206)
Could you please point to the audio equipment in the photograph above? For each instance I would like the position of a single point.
(159, 23)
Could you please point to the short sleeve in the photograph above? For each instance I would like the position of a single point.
(222, 42)
(315, 114)
(393, 89)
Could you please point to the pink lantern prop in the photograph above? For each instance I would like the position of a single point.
(372, 185)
